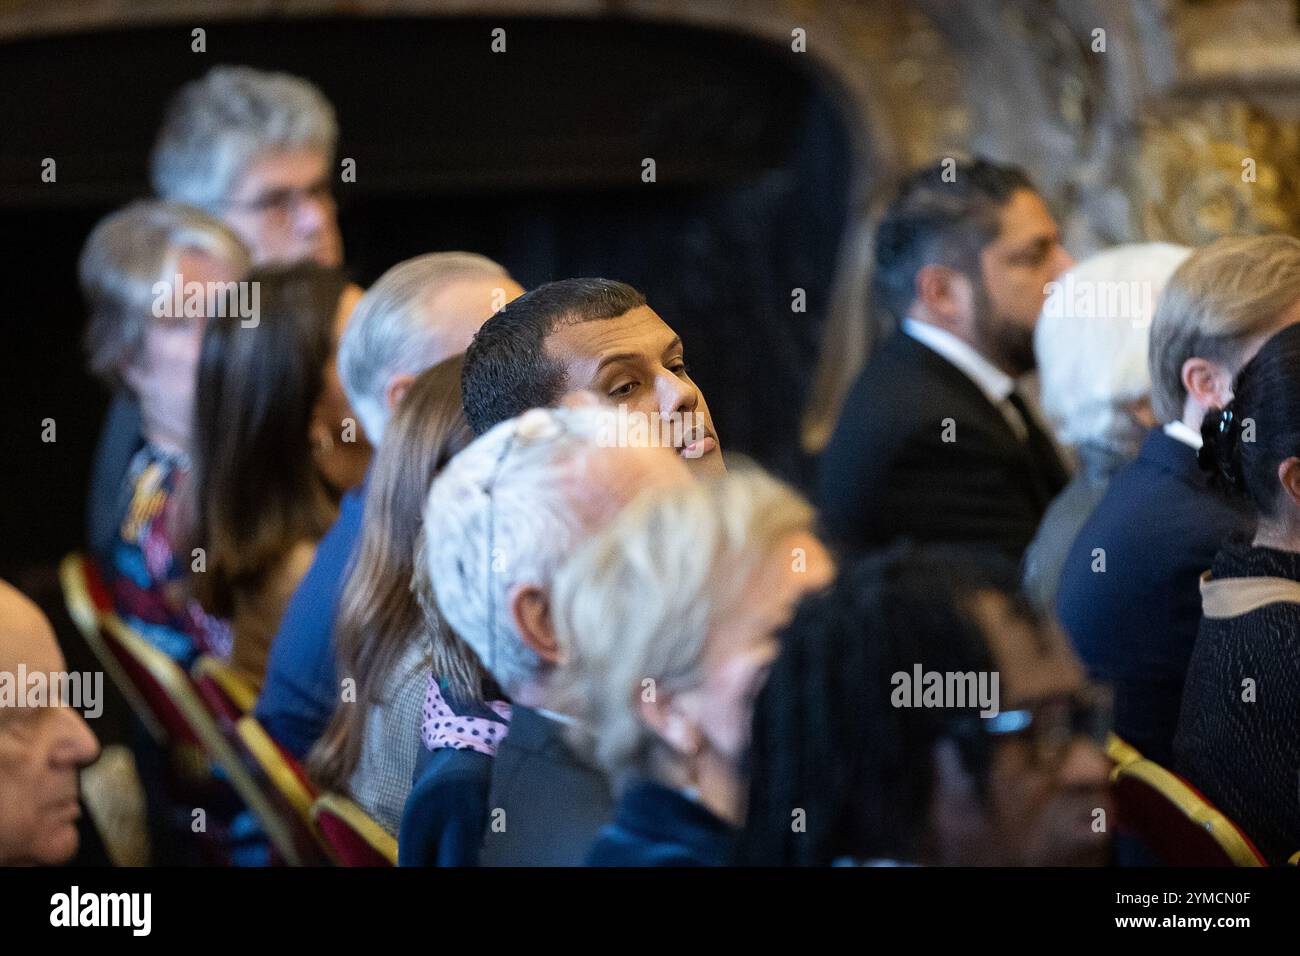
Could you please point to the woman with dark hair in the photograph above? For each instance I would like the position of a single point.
(382, 640)
(259, 503)
(854, 760)
(1238, 735)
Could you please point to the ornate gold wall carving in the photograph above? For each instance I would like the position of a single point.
(1220, 168)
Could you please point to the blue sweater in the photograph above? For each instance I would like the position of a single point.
(301, 688)
(658, 826)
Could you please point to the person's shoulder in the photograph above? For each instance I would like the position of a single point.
(895, 363)
(334, 550)
(892, 397)
(446, 811)
(452, 770)
(619, 847)
(352, 507)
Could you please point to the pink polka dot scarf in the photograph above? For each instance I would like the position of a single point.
(442, 728)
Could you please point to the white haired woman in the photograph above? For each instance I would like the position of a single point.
(667, 621)
(137, 265)
(1091, 346)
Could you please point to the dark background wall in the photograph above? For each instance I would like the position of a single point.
(533, 157)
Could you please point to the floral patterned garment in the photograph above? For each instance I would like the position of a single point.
(145, 577)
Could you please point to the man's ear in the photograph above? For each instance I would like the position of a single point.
(944, 294)
(664, 714)
(1206, 383)
(1288, 474)
(397, 386)
(530, 609)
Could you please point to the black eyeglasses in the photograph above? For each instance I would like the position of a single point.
(1049, 726)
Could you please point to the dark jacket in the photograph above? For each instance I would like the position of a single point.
(1157, 529)
(658, 826)
(120, 436)
(546, 803)
(888, 472)
(446, 812)
(1239, 733)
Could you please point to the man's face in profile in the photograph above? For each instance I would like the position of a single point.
(1016, 269)
(42, 747)
(636, 361)
(283, 208)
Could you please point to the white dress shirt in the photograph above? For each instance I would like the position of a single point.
(996, 384)
(1185, 433)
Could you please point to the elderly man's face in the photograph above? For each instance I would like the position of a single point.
(283, 208)
(636, 361)
(41, 748)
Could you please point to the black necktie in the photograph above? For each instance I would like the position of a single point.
(1050, 474)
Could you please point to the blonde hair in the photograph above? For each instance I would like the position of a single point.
(1222, 296)
(637, 602)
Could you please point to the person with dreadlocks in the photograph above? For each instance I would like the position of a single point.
(847, 767)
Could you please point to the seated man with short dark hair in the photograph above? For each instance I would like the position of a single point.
(936, 442)
(594, 335)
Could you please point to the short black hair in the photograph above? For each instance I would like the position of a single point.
(945, 213)
(827, 739)
(507, 370)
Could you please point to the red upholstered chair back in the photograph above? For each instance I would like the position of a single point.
(354, 839)
(1176, 821)
(227, 693)
(158, 680)
(286, 788)
(90, 605)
